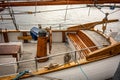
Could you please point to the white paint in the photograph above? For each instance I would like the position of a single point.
(7, 69)
(57, 36)
(99, 70)
(13, 37)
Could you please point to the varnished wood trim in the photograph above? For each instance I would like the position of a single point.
(110, 50)
(56, 2)
(63, 36)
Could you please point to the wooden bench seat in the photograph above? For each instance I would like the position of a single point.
(88, 42)
(78, 43)
(82, 41)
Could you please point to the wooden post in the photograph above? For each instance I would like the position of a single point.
(63, 36)
(42, 48)
(25, 34)
(5, 35)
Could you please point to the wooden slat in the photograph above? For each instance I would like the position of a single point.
(78, 43)
(88, 42)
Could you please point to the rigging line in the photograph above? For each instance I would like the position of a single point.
(114, 11)
(66, 10)
(35, 8)
(66, 13)
(105, 13)
(24, 24)
(100, 10)
(11, 12)
(89, 11)
(95, 2)
(28, 12)
(83, 71)
(13, 17)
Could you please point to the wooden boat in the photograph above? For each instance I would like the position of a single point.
(89, 61)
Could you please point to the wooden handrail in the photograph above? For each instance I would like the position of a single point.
(89, 26)
(103, 52)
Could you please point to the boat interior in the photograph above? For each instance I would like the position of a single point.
(42, 51)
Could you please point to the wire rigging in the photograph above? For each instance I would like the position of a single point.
(66, 13)
(35, 8)
(114, 11)
(104, 12)
(105, 19)
(11, 12)
(31, 12)
(66, 10)
(89, 11)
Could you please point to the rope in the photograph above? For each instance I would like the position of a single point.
(35, 8)
(106, 16)
(80, 67)
(100, 10)
(89, 11)
(83, 71)
(95, 1)
(114, 11)
(30, 12)
(11, 13)
(66, 10)
(105, 13)
(66, 13)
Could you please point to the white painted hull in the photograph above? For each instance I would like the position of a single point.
(99, 70)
